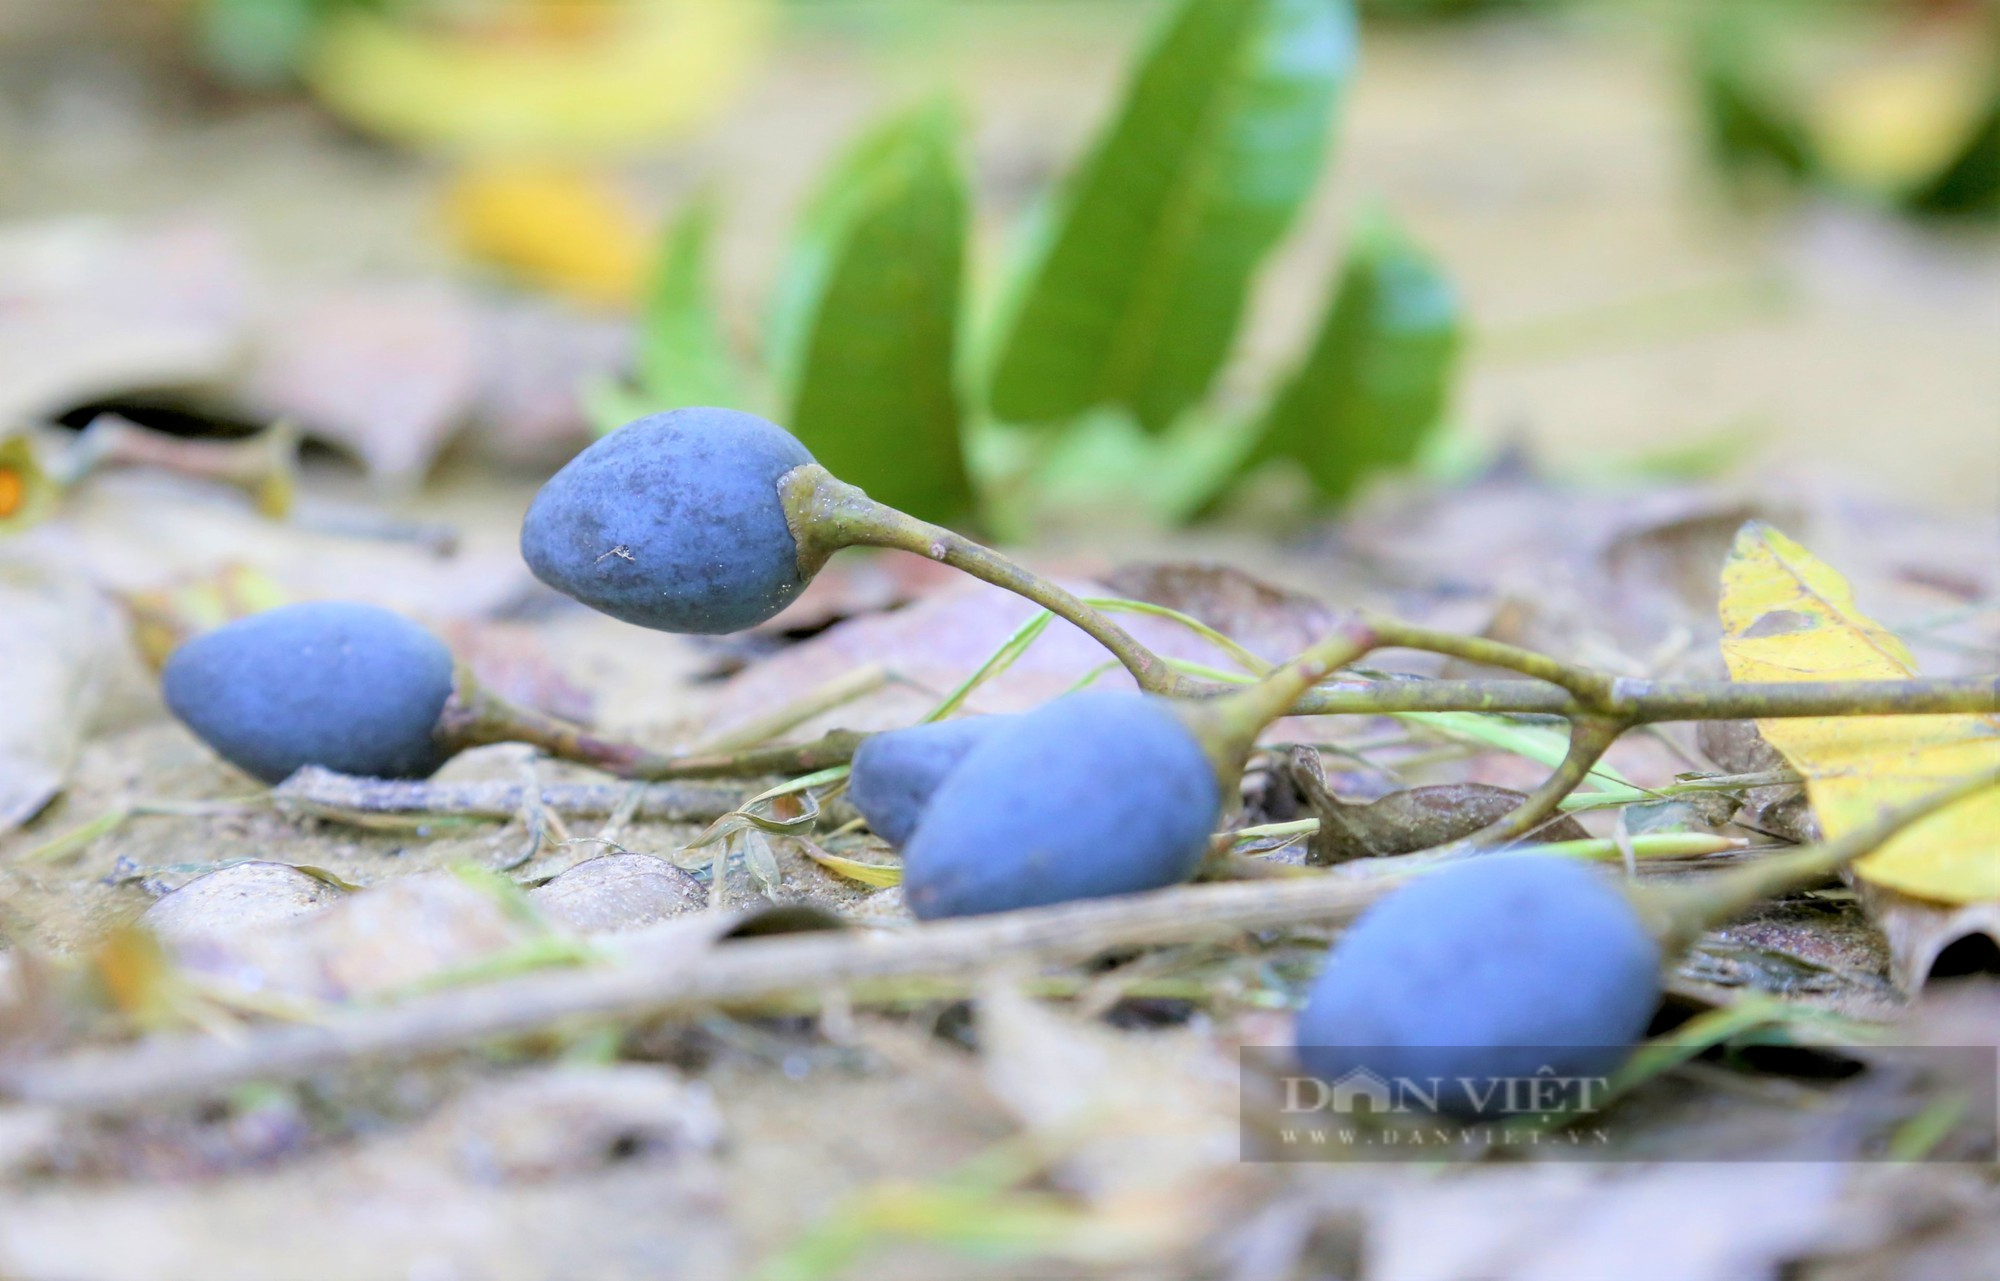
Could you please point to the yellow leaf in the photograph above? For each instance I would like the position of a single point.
(1787, 616)
(619, 74)
(564, 229)
(26, 491)
(163, 618)
(876, 874)
(137, 976)
(1888, 127)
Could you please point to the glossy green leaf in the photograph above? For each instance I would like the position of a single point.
(865, 326)
(1378, 375)
(683, 357)
(1134, 296)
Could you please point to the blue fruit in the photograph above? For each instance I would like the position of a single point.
(1091, 795)
(673, 522)
(1492, 969)
(895, 773)
(349, 687)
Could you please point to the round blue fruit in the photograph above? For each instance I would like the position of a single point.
(1091, 795)
(1493, 970)
(896, 772)
(673, 522)
(349, 687)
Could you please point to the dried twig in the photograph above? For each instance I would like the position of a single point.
(760, 970)
(325, 794)
(733, 975)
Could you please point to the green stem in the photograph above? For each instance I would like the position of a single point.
(1228, 726)
(1589, 738)
(827, 514)
(265, 465)
(1649, 702)
(474, 716)
(1592, 690)
(1243, 658)
(1613, 797)
(1646, 702)
(997, 662)
(1679, 914)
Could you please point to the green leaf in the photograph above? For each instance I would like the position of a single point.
(1379, 373)
(865, 325)
(1970, 183)
(256, 44)
(1749, 125)
(1136, 293)
(683, 357)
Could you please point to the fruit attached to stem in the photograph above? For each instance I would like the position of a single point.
(1491, 970)
(361, 690)
(348, 687)
(1512, 967)
(674, 522)
(1094, 794)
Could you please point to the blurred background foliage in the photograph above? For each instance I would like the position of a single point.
(1094, 361)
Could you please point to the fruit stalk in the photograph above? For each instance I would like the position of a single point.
(826, 514)
(1228, 726)
(474, 716)
(264, 466)
(1589, 738)
(1677, 915)
(1580, 690)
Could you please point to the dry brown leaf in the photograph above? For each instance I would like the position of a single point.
(533, 354)
(61, 646)
(517, 661)
(1663, 575)
(386, 371)
(134, 532)
(932, 645)
(1269, 621)
(861, 582)
(1145, 1126)
(91, 310)
(1919, 931)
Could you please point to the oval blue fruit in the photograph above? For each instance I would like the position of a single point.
(349, 687)
(1493, 970)
(673, 522)
(896, 772)
(1091, 795)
